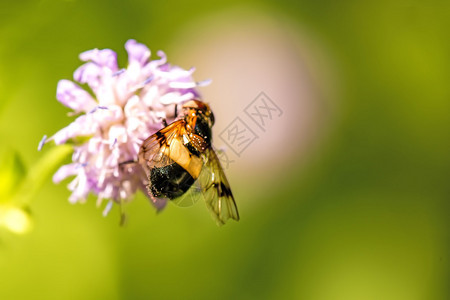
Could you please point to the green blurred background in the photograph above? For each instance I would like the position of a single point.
(360, 213)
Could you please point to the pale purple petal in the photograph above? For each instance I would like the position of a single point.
(137, 52)
(80, 187)
(134, 106)
(103, 58)
(175, 97)
(117, 134)
(106, 92)
(65, 171)
(88, 73)
(80, 127)
(182, 85)
(94, 144)
(177, 73)
(106, 117)
(162, 60)
(153, 65)
(74, 97)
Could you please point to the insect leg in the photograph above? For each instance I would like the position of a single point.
(127, 162)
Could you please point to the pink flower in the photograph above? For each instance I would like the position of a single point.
(125, 107)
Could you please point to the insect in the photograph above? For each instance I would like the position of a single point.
(181, 165)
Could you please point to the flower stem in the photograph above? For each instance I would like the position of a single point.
(39, 173)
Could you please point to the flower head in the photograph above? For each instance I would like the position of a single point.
(122, 108)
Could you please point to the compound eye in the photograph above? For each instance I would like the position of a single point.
(211, 116)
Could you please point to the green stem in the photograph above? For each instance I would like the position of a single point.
(39, 173)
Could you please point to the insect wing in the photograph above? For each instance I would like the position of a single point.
(216, 190)
(194, 194)
(154, 152)
(165, 156)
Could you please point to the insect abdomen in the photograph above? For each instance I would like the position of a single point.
(170, 181)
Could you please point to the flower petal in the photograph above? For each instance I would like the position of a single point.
(80, 187)
(103, 58)
(82, 126)
(117, 134)
(88, 73)
(137, 52)
(106, 117)
(74, 97)
(65, 171)
(153, 65)
(175, 97)
(182, 85)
